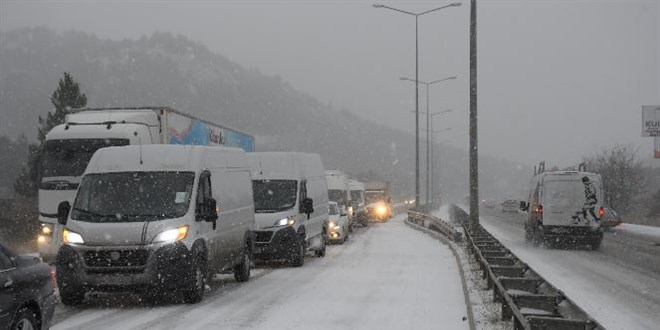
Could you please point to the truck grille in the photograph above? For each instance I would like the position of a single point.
(263, 236)
(116, 258)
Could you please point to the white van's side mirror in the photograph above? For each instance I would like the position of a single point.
(307, 206)
(208, 211)
(63, 212)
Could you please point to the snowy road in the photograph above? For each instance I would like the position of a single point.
(619, 285)
(387, 277)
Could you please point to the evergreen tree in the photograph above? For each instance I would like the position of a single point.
(65, 98)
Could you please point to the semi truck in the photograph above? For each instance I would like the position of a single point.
(69, 147)
(377, 195)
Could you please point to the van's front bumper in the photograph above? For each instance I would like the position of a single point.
(275, 244)
(130, 268)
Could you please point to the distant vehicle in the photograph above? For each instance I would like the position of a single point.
(488, 204)
(27, 292)
(610, 218)
(156, 219)
(510, 206)
(339, 192)
(291, 205)
(69, 147)
(565, 206)
(379, 204)
(358, 202)
(338, 226)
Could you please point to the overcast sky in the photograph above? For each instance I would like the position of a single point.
(557, 79)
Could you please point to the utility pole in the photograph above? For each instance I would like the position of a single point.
(474, 154)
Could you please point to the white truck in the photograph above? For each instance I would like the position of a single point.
(358, 202)
(339, 191)
(377, 195)
(69, 147)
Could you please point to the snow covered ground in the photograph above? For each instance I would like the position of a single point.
(648, 233)
(619, 285)
(387, 277)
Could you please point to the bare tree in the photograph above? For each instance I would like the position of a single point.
(621, 169)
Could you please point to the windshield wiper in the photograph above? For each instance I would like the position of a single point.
(91, 212)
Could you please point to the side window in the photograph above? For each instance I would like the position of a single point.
(303, 190)
(204, 188)
(5, 261)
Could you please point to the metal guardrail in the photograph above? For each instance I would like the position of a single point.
(526, 297)
(435, 223)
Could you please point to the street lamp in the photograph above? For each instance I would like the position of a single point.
(455, 4)
(428, 145)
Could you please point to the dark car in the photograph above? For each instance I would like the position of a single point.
(27, 292)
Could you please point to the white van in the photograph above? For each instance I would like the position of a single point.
(339, 192)
(565, 206)
(157, 219)
(291, 205)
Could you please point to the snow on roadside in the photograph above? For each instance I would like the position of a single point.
(486, 313)
(647, 233)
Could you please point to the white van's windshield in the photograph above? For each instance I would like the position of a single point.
(133, 196)
(333, 209)
(337, 195)
(274, 195)
(374, 196)
(356, 195)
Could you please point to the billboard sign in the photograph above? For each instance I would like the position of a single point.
(651, 121)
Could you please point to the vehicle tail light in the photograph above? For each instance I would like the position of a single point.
(539, 209)
(601, 212)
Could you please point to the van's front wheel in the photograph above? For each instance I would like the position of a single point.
(297, 258)
(194, 291)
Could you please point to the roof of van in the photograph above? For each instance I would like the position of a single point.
(285, 165)
(162, 157)
(355, 184)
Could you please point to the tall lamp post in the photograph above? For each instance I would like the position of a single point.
(428, 145)
(417, 15)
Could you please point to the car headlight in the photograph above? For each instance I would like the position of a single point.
(285, 222)
(172, 235)
(381, 210)
(46, 229)
(333, 225)
(70, 237)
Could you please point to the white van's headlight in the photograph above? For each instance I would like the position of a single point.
(333, 225)
(172, 235)
(71, 237)
(285, 222)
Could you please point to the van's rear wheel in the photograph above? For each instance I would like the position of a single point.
(242, 270)
(297, 258)
(196, 281)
